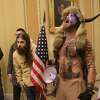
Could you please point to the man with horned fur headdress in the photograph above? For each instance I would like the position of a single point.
(74, 55)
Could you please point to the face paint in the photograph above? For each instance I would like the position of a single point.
(72, 18)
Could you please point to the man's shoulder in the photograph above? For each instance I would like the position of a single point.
(16, 54)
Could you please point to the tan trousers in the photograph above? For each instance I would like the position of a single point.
(70, 89)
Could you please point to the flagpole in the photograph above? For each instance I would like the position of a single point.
(44, 19)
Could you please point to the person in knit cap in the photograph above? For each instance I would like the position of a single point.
(75, 58)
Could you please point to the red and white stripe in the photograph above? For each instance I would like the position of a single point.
(37, 73)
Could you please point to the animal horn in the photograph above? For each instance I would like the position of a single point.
(90, 19)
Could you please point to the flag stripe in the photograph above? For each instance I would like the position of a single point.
(39, 60)
(37, 69)
(35, 79)
(38, 64)
(37, 74)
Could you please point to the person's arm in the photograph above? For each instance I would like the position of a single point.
(89, 59)
(1, 54)
(91, 76)
(10, 61)
(17, 69)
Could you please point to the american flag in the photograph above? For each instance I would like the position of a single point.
(39, 62)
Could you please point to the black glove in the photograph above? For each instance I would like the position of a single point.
(87, 95)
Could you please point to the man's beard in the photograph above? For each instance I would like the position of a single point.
(22, 51)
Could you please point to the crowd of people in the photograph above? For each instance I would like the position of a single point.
(74, 60)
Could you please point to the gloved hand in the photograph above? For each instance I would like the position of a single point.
(87, 95)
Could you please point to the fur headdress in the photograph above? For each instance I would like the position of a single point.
(80, 33)
(78, 13)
